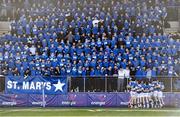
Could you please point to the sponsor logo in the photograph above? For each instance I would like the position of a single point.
(98, 103)
(124, 103)
(38, 103)
(68, 103)
(9, 103)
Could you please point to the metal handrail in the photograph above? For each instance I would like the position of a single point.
(99, 76)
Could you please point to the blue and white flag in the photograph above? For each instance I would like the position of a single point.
(36, 85)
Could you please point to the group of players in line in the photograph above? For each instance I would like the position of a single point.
(146, 94)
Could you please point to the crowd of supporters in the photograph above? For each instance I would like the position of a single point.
(90, 38)
(11, 9)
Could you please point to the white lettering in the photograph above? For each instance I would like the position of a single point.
(32, 86)
(38, 85)
(15, 84)
(9, 85)
(48, 86)
(98, 103)
(124, 103)
(9, 103)
(25, 85)
(38, 103)
(68, 102)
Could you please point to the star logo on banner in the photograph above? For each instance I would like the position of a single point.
(59, 86)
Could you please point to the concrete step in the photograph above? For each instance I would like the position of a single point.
(2, 32)
(174, 24)
(4, 27)
(171, 30)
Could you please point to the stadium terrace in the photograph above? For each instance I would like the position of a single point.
(62, 52)
(80, 39)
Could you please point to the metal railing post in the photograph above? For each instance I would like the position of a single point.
(84, 84)
(105, 84)
(179, 17)
(69, 82)
(171, 84)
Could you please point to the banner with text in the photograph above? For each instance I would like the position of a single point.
(36, 85)
(78, 100)
(102, 99)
